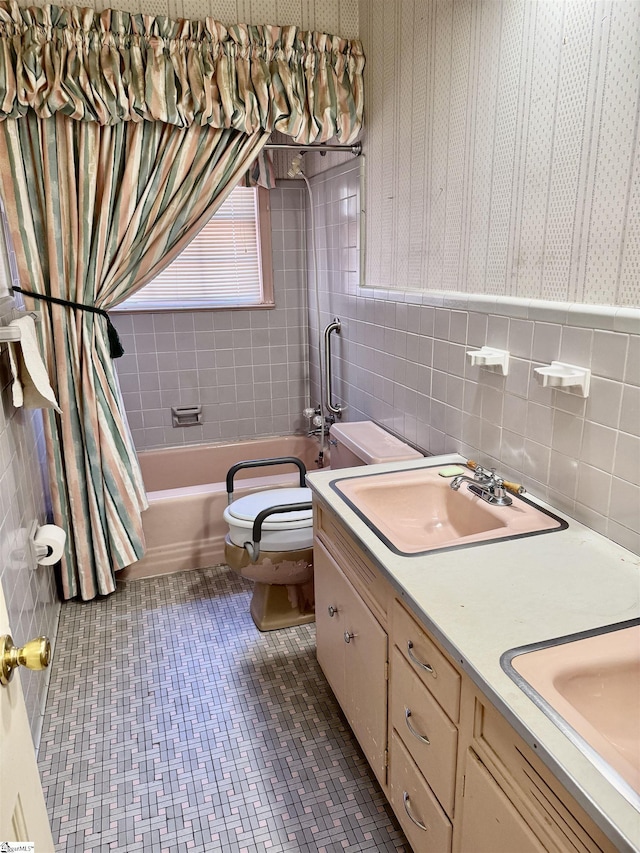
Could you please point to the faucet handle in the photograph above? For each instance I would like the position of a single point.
(516, 488)
(481, 474)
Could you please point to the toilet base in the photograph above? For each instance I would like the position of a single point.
(283, 585)
(271, 608)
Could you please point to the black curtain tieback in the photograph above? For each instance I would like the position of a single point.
(115, 347)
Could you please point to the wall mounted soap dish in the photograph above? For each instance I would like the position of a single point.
(490, 357)
(567, 377)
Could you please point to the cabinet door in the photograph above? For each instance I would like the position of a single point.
(352, 651)
(490, 822)
(332, 595)
(366, 683)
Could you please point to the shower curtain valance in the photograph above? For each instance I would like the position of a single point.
(112, 66)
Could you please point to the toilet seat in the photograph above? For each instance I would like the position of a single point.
(280, 532)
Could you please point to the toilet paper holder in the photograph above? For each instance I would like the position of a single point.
(41, 553)
(36, 550)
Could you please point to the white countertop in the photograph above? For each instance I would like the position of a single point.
(482, 601)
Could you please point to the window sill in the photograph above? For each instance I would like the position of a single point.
(158, 309)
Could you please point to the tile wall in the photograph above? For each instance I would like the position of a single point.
(400, 360)
(246, 368)
(30, 594)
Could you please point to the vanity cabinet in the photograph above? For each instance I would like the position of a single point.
(424, 703)
(507, 799)
(458, 776)
(352, 642)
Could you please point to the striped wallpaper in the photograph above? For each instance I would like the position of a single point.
(339, 17)
(502, 148)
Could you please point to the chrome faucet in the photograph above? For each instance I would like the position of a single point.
(488, 486)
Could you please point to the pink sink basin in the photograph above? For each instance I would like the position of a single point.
(416, 511)
(593, 684)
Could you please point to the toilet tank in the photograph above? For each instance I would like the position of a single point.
(365, 443)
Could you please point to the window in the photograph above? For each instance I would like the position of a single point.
(227, 265)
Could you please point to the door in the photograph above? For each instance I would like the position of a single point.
(23, 814)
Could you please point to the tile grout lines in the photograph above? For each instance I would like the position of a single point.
(173, 724)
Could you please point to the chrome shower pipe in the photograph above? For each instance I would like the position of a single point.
(332, 327)
(355, 149)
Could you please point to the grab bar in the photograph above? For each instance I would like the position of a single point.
(258, 463)
(253, 548)
(332, 327)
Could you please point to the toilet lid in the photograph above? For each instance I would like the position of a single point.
(248, 507)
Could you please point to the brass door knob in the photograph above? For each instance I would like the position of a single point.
(36, 654)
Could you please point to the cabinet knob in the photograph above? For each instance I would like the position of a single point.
(348, 636)
(332, 610)
(36, 654)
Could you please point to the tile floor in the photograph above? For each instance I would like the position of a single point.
(173, 724)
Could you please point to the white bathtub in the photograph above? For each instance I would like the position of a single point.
(187, 494)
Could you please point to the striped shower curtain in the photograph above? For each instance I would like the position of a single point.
(111, 206)
(120, 135)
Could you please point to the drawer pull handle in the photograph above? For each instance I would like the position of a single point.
(426, 666)
(332, 610)
(405, 800)
(348, 636)
(423, 738)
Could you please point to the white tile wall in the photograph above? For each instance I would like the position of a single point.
(247, 369)
(401, 361)
(502, 153)
(30, 594)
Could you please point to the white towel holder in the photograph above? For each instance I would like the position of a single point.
(11, 334)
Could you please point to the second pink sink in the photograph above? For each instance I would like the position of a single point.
(592, 684)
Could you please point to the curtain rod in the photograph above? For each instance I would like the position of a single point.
(355, 149)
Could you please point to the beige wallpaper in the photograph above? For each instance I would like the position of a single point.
(339, 17)
(502, 147)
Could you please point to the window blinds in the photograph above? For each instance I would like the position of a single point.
(221, 267)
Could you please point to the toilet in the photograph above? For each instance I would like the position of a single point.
(282, 571)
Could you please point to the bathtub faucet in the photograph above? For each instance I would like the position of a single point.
(318, 425)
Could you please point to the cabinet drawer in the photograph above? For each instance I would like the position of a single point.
(427, 661)
(416, 715)
(414, 803)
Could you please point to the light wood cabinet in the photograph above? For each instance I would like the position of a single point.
(457, 775)
(428, 734)
(423, 821)
(352, 651)
(504, 791)
(489, 822)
